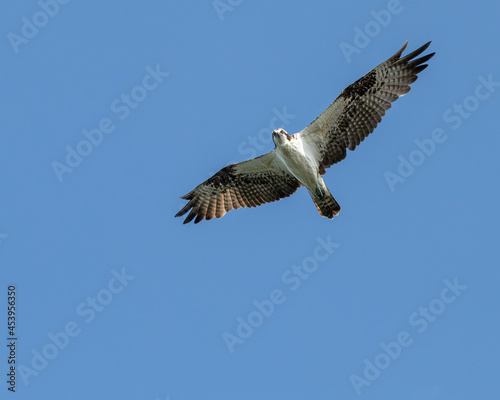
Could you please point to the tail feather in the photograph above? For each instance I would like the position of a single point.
(325, 202)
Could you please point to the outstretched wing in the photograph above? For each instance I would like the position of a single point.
(361, 106)
(247, 184)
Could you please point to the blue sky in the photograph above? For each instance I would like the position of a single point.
(113, 110)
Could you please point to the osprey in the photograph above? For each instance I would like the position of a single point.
(301, 159)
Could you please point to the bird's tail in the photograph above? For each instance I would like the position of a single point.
(325, 202)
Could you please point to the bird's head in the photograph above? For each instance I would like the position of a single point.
(280, 136)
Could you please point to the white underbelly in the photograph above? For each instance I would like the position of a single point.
(300, 165)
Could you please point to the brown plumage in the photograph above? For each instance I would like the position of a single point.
(358, 109)
(234, 187)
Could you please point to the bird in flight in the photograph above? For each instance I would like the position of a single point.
(301, 159)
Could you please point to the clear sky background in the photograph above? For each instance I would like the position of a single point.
(117, 299)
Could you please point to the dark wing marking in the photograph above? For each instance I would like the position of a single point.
(246, 184)
(361, 106)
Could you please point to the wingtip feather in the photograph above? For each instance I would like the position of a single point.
(415, 53)
(190, 216)
(400, 51)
